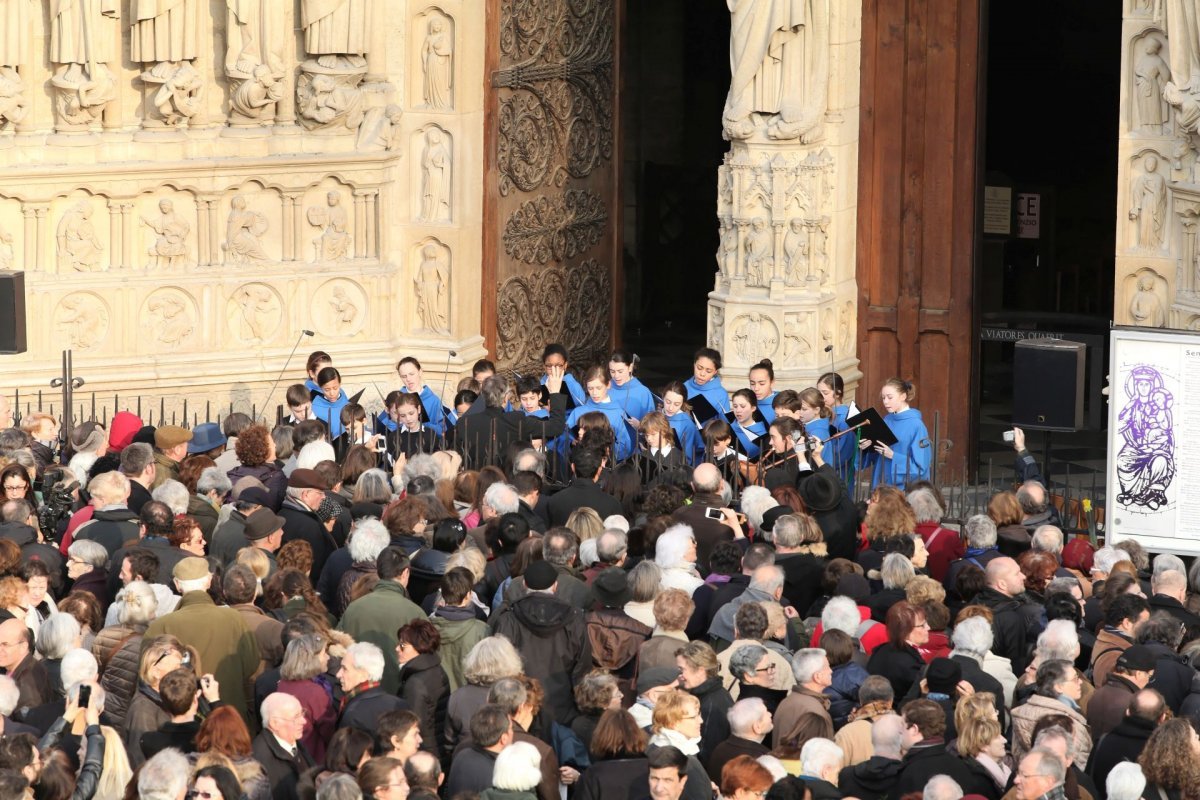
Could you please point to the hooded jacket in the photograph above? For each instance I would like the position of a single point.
(424, 687)
(461, 630)
(615, 638)
(722, 624)
(870, 780)
(551, 637)
(125, 425)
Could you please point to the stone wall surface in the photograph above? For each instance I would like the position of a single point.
(190, 184)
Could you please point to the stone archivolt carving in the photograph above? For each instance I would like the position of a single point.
(557, 122)
(431, 283)
(558, 227)
(170, 316)
(79, 247)
(170, 247)
(339, 308)
(243, 229)
(562, 304)
(335, 36)
(1148, 204)
(254, 312)
(82, 318)
(333, 243)
(254, 61)
(779, 52)
(755, 336)
(82, 36)
(437, 63)
(436, 165)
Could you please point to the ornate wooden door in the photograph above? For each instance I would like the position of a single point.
(551, 208)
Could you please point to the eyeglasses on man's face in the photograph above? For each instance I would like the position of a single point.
(770, 667)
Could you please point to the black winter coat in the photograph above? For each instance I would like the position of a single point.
(902, 666)
(1172, 675)
(801, 578)
(870, 780)
(364, 710)
(301, 524)
(426, 689)
(715, 703)
(922, 762)
(93, 759)
(581, 493)
(981, 681)
(1123, 743)
(551, 637)
(614, 779)
(1008, 627)
(282, 768)
(837, 517)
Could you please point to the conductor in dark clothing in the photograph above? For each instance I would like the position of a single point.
(583, 491)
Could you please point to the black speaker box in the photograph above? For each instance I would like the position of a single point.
(1048, 384)
(12, 312)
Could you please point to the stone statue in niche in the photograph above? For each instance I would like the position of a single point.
(1150, 76)
(333, 244)
(170, 320)
(1148, 204)
(435, 178)
(759, 244)
(795, 343)
(335, 37)
(844, 340)
(345, 313)
(1182, 91)
(380, 129)
(795, 252)
(177, 98)
(820, 248)
(83, 35)
(254, 60)
(1145, 308)
(6, 250)
(716, 326)
(727, 251)
(242, 232)
(827, 326)
(78, 246)
(437, 64)
(83, 319)
(256, 308)
(779, 52)
(13, 102)
(170, 247)
(432, 283)
(325, 103)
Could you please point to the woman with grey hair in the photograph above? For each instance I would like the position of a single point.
(1059, 687)
(118, 648)
(517, 773)
(1125, 782)
(645, 581)
(87, 567)
(372, 492)
(756, 501)
(304, 661)
(57, 636)
(675, 553)
(487, 662)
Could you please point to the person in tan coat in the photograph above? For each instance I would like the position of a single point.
(813, 673)
(1121, 617)
(1057, 693)
(875, 698)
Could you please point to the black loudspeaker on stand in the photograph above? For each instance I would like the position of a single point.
(12, 312)
(1048, 384)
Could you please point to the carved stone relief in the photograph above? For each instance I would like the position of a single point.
(82, 39)
(329, 98)
(380, 129)
(175, 95)
(716, 327)
(796, 255)
(431, 284)
(797, 342)
(165, 37)
(760, 242)
(79, 246)
(558, 227)
(846, 328)
(1146, 293)
(553, 304)
(335, 38)
(82, 319)
(755, 336)
(778, 50)
(255, 312)
(827, 325)
(169, 316)
(339, 308)
(254, 62)
(169, 233)
(243, 231)
(435, 176)
(6, 250)
(727, 252)
(14, 51)
(1151, 73)
(1148, 204)
(13, 100)
(332, 244)
(437, 62)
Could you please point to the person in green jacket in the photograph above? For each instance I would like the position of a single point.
(456, 621)
(377, 616)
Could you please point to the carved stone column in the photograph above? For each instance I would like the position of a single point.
(29, 216)
(115, 234)
(40, 211)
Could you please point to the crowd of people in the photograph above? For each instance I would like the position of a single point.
(559, 588)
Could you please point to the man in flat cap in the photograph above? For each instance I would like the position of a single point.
(305, 493)
(264, 530)
(170, 447)
(226, 646)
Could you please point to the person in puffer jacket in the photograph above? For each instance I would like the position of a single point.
(848, 676)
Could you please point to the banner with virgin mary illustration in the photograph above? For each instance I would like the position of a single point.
(1154, 440)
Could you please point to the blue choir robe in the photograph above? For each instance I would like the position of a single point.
(748, 436)
(433, 410)
(311, 385)
(823, 429)
(910, 461)
(845, 448)
(574, 388)
(688, 434)
(634, 399)
(766, 409)
(385, 424)
(714, 392)
(616, 418)
(330, 413)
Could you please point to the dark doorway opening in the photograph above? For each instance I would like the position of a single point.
(675, 75)
(1048, 199)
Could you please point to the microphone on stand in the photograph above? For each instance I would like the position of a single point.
(832, 362)
(274, 386)
(441, 394)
